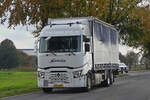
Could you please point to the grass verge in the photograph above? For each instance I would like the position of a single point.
(139, 68)
(122, 75)
(15, 83)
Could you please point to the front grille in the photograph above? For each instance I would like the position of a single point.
(57, 77)
(46, 83)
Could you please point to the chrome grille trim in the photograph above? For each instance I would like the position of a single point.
(57, 77)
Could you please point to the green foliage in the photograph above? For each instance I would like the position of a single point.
(24, 59)
(122, 75)
(8, 55)
(122, 58)
(14, 83)
(138, 68)
(145, 60)
(132, 21)
(131, 59)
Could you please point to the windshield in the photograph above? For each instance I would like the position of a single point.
(60, 44)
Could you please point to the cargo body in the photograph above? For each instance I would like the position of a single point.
(77, 53)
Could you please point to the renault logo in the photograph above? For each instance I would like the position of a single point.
(58, 74)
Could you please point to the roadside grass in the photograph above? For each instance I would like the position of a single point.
(122, 75)
(138, 68)
(16, 82)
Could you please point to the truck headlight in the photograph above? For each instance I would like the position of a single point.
(77, 74)
(41, 74)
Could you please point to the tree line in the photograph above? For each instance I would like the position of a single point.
(132, 59)
(10, 57)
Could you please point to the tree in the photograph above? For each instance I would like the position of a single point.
(38, 11)
(24, 59)
(145, 61)
(122, 58)
(145, 39)
(131, 59)
(130, 19)
(10, 57)
(8, 54)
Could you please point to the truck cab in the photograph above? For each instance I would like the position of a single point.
(64, 55)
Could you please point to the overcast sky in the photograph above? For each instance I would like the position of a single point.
(22, 38)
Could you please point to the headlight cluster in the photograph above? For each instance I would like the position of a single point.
(41, 74)
(77, 74)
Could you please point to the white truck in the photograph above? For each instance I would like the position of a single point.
(77, 53)
(123, 68)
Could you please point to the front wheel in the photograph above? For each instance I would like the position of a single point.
(47, 90)
(126, 71)
(89, 85)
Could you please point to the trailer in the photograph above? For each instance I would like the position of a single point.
(79, 52)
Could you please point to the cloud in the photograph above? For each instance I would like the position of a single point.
(125, 49)
(20, 37)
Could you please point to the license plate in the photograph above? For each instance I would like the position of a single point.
(58, 85)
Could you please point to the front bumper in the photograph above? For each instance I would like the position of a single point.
(49, 81)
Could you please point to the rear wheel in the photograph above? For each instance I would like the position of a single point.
(47, 90)
(107, 82)
(112, 78)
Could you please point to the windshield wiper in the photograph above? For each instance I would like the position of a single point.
(72, 53)
(52, 52)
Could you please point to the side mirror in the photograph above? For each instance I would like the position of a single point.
(85, 39)
(36, 46)
(87, 47)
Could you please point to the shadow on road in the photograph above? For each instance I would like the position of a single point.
(74, 90)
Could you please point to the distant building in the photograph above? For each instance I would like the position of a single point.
(29, 52)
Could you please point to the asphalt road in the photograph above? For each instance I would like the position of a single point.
(136, 86)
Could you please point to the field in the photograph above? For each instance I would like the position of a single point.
(15, 83)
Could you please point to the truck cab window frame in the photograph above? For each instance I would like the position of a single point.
(60, 44)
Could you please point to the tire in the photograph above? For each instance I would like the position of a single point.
(122, 72)
(89, 85)
(112, 80)
(47, 90)
(126, 71)
(107, 82)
